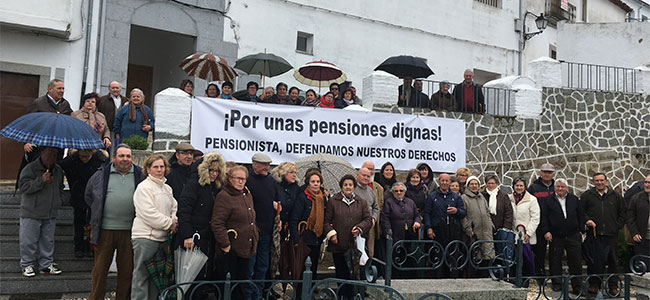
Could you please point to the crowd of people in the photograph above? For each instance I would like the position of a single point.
(241, 219)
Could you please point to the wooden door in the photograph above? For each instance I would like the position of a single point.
(139, 76)
(17, 91)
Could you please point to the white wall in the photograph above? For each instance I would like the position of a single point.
(53, 16)
(604, 12)
(452, 35)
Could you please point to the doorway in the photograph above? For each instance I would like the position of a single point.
(140, 77)
(17, 91)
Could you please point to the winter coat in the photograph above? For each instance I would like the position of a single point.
(95, 196)
(341, 218)
(442, 101)
(435, 209)
(300, 212)
(528, 213)
(285, 194)
(78, 174)
(417, 194)
(478, 221)
(262, 188)
(155, 209)
(104, 132)
(195, 212)
(125, 128)
(44, 104)
(637, 214)
(607, 211)
(635, 189)
(178, 176)
(553, 219)
(38, 199)
(379, 196)
(399, 216)
(233, 209)
(106, 105)
(505, 214)
(340, 103)
(478, 99)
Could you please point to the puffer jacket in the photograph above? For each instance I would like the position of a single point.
(40, 200)
(155, 210)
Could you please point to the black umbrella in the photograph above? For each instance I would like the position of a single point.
(595, 252)
(264, 64)
(405, 66)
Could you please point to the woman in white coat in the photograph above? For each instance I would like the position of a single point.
(526, 211)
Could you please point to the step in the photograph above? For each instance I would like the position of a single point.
(67, 264)
(63, 246)
(10, 227)
(20, 287)
(12, 211)
(9, 198)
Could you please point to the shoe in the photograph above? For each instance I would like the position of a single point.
(79, 254)
(52, 270)
(29, 271)
(613, 292)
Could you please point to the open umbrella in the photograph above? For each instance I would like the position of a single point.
(319, 73)
(405, 66)
(264, 64)
(208, 66)
(331, 167)
(161, 267)
(53, 130)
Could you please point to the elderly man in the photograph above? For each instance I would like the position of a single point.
(405, 92)
(53, 102)
(469, 96)
(109, 194)
(542, 188)
(562, 224)
(262, 187)
(604, 211)
(366, 193)
(41, 184)
(638, 219)
(109, 104)
(180, 165)
(374, 237)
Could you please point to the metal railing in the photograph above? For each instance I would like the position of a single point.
(495, 101)
(494, 3)
(598, 77)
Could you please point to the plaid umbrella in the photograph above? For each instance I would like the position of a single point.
(319, 73)
(161, 267)
(209, 67)
(332, 167)
(53, 130)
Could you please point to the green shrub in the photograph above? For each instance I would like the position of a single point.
(136, 142)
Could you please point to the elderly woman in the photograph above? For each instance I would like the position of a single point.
(280, 96)
(309, 209)
(454, 186)
(499, 204)
(226, 91)
(89, 114)
(195, 209)
(347, 99)
(134, 118)
(212, 91)
(462, 174)
(426, 175)
(386, 176)
(442, 100)
(187, 86)
(346, 217)
(286, 192)
(400, 214)
(268, 94)
(294, 96)
(327, 100)
(415, 190)
(233, 213)
(311, 99)
(477, 224)
(155, 219)
(527, 212)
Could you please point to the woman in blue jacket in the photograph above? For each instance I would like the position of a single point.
(134, 118)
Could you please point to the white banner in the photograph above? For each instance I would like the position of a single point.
(238, 129)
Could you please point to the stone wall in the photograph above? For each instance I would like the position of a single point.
(580, 132)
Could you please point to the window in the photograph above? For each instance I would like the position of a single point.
(552, 51)
(304, 43)
(494, 3)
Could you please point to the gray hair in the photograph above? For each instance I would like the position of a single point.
(562, 180)
(469, 70)
(53, 83)
(121, 146)
(490, 177)
(139, 91)
(396, 184)
(442, 83)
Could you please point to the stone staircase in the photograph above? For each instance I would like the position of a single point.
(74, 282)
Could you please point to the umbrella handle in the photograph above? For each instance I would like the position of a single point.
(196, 236)
(303, 229)
(233, 231)
(521, 225)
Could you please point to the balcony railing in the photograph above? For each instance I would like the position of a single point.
(555, 12)
(497, 101)
(598, 77)
(494, 3)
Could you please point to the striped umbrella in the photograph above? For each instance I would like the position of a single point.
(53, 130)
(319, 73)
(209, 67)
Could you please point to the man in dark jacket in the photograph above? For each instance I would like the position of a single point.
(109, 194)
(635, 189)
(469, 95)
(443, 211)
(110, 103)
(262, 187)
(562, 224)
(79, 167)
(638, 213)
(542, 188)
(41, 185)
(180, 164)
(604, 210)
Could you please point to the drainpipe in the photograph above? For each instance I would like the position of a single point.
(520, 37)
(87, 51)
(100, 47)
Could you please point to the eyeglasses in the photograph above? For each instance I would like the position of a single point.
(398, 191)
(213, 170)
(238, 178)
(646, 182)
(462, 175)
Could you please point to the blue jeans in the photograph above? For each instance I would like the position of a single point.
(258, 266)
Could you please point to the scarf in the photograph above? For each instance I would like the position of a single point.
(224, 96)
(292, 101)
(315, 102)
(281, 99)
(492, 202)
(325, 104)
(317, 214)
(133, 115)
(97, 125)
(518, 197)
(347, 200)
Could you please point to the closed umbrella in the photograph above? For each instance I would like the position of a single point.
(319, 73)
(331, 167)
(52, 130)
(405, 66)
(264, 64)
(595, 253)
(188, 264)
(208, 66)
(161, 268)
